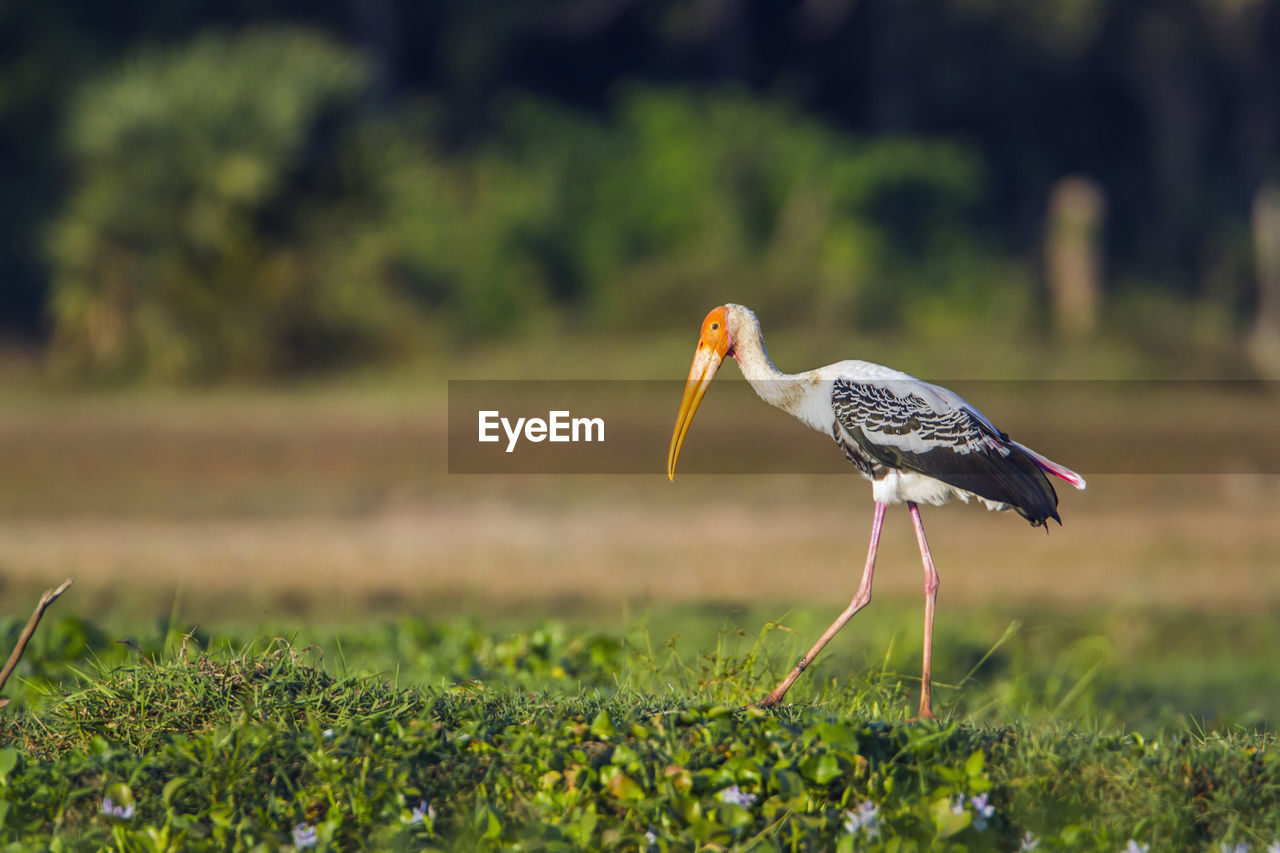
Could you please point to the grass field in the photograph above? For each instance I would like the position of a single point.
(421, 735)
(390, 656)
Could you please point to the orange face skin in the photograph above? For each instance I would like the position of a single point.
(713, 344)
(715, 330)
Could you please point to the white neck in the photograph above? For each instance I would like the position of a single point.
(749, 350)
(786, 391)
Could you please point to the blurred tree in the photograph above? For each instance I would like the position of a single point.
(682, 198)
(463, 227)
(689, 197)
(1170, 104)
(221, 221)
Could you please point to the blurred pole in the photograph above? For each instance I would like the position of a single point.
(1073, 254)
(1264, 341)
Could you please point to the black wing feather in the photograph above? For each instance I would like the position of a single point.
(894, 424)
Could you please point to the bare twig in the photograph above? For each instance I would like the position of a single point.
(49, 597)
(186, 638)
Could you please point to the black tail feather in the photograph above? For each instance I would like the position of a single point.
(1014, 479)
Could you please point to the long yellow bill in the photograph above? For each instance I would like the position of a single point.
(712, 346)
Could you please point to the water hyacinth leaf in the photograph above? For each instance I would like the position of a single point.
(625, 756)
(974, 766)
(820, 769)
(743, 769)
(953, 775)
(8, 760)
(576, 776)
(689, 809)
(623, 787)
(157, 839)
(583, 826)
(681, 779)
(787, 783)
(170, 788)
(734, 816)
(602, 727)
(487, 822)
(708, 831)
(947, 819)
(1073, 834)
(836, 736)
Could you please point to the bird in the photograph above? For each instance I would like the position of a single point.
(918, 443)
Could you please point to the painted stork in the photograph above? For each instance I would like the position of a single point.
(916, 442)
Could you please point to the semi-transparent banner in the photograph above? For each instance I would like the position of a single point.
(624, 427)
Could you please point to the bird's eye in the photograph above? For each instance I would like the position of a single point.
(715, 325)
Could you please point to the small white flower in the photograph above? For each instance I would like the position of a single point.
(651, 837)
(957, 804)
(304, 835)
(982, 811)
(1273, 847)
(736, 796)
(866, 818)
(1135, 847)
(422, 810)
(1238, 848)
(121, 812)
(1029, 842)
(327, 733)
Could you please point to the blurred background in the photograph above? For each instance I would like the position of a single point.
(245, 245)
(263, 190)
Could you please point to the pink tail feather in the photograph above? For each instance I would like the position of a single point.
(1051, 467)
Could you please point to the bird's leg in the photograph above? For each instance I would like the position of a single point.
(930, 597)
(860, 600)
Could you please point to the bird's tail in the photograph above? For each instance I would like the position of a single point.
(1051, 467)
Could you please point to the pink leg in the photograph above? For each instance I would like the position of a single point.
(930, 597)
(860, 600)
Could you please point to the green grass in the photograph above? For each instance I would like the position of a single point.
(551, 737)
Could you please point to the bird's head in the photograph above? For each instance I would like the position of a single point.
(714, 343)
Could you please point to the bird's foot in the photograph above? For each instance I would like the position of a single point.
(925, 713)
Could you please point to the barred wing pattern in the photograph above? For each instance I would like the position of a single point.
(915, 426)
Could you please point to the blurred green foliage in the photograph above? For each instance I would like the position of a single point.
(225, 220)
(685, 199)
(238, 213)
(237, 201)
